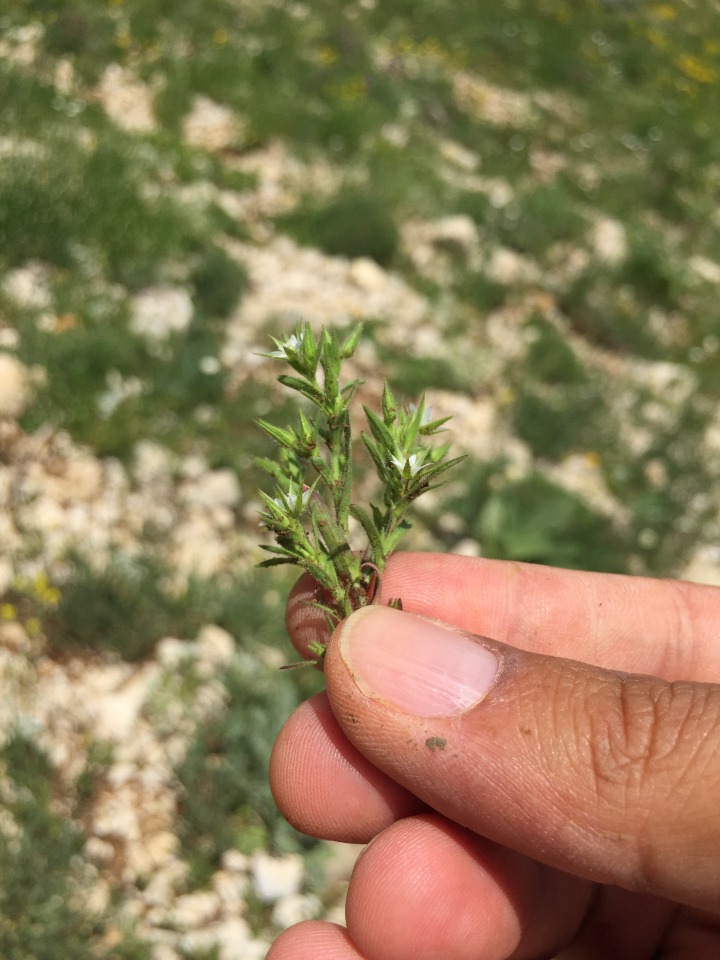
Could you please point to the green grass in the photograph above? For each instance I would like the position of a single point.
(226, 800)
(355, 223)
(45, 880)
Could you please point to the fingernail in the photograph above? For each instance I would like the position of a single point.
(419, 665)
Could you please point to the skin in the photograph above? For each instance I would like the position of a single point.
(576, 814)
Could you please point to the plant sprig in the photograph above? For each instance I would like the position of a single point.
(312, 505)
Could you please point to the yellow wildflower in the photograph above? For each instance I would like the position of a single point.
(8, 611)
(696, 69)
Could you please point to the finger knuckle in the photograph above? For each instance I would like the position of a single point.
(651, 735)
(651, 753)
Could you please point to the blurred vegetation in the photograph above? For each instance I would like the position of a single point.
(538, 120)
(46, 883)
(226, 800)
(353, 224)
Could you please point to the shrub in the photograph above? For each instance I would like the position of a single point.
(355, 223)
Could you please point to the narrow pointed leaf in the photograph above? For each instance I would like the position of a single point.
(305, 387)
(375, 454)
(433, 426)
(388, 405)
(272, 548)
(269, 466)
(379, 430)
(371, 531)
(286, 438)
(351, 342)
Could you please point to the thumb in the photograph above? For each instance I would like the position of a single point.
(610, 776)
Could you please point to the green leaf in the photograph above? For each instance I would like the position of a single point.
(278, 561)
(388, 406)
(306, 387)
(433, 426)
(308, 348)
(330, 362)
(379, 430)
(348, 391)
(375, 454)
(379, 518)
(269, 466)
(392, 539)
(286, 438)
(435, 469)
(350, 344)
(274, 510)
(373, 534)
(271, 548)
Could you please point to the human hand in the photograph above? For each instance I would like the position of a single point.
(521, 804)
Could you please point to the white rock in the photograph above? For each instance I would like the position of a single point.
(275, 877)
(44, 514)
(231, 888)
(162, 950)
(252, 950)
(164, 883)
(20, 45)
(14, 387)
(193, 466)
(151, 461)
(64, 76)
(99, 850)
(119, 710)
(195, 909)
(170, 652)
(29, 286)
(508, 267)
(157, 312)
(210, 125)
(499, 192)
(609, 240)
(216, 645)
(234, 940)
(81, 479)
(120, 774)
(14, 638)
(118, 819)
(459, 155)
(486, 101)
(235, 862)
(367, 274)
(704, 566)
(9, 338)
(216, 488)
(294, 909)
(198, 549)
(159, 848)
(287, 280)
(459, 230)
(126, 100)
(705, 269)
(467, 547)
(97, 898)
(580, 473)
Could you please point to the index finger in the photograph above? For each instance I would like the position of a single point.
(668, 628)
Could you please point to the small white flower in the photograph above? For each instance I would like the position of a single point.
(425, 418)
(296, 500)
(292, 344)
(409, 463)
